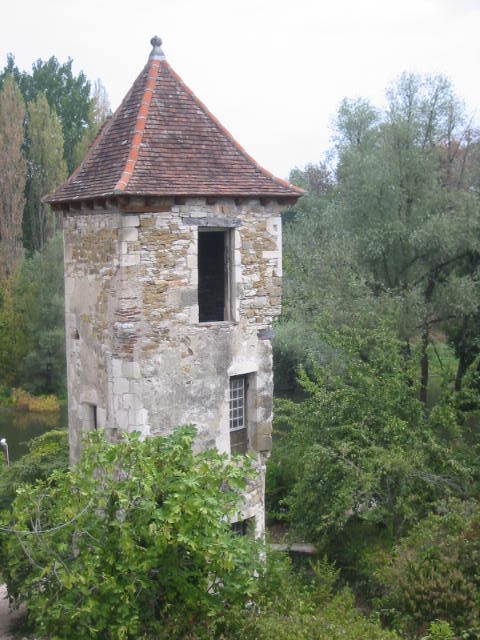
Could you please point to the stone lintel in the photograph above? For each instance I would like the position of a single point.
(213, 221)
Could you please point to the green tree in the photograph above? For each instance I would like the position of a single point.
(321, 276)
(99, 112)
(135, 540)
(291, 608)
(396, 230)
(12, 334)
(46, 454)
(40, 301)
(12, 176)
(363, 447)
(403, 202)
(68, 95)
(434, 574)
(47, 169)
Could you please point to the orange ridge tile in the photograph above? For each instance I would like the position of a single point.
(140, 126)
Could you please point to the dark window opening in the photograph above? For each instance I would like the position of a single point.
(92, 417)
(238, 419)
(243, 527)
(213, 276)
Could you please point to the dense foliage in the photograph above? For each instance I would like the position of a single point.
(434, 573)
(395, 227)
(13, 171)
(68, 95)
(46, 126)
(48, 117)
(362, 439)
(291, 605)
(377, 460)
(381, 273)
(136, 542)
(32, 333)
(387, 488)
(135, 539)
(47, 453)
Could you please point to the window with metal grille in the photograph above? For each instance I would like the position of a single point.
(238, 419)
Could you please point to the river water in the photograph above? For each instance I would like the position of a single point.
(18, 427)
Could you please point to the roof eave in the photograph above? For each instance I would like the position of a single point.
(281, 198)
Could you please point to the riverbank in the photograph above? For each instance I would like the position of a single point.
(18, 427)
(21, 400)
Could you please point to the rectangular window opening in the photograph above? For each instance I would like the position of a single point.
(92, 417)
(213, 275)
(238, 417)
(243, 527)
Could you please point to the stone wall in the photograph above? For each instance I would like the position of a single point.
(137, 355)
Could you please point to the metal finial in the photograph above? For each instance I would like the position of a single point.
(157, 53)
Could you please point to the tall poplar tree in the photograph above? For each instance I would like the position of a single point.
(99, 112)
(13, 171)
(46, 170)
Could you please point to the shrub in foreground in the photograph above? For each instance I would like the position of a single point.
(134, 541)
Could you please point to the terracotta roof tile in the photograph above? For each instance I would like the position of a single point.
(162, 141)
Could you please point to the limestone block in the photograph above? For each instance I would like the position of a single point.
(237, 257)
(131, 370)
(128, 234)
(117, 369)
(130, 260)
(101, 418)
(129, 220)
(263, 443)
(135, 387)
(122, 420)
(264, 429)
(136, 418)
(268, 255)
(132, 401)
(69, 286)
(120, 386)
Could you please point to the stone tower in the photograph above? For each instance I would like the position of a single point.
(172, 277)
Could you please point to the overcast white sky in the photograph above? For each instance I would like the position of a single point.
(272, 71)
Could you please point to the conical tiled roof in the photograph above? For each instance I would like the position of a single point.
(162, 141)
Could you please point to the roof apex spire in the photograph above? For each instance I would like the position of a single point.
(156, 53)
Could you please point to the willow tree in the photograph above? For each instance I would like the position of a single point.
(404, 202)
